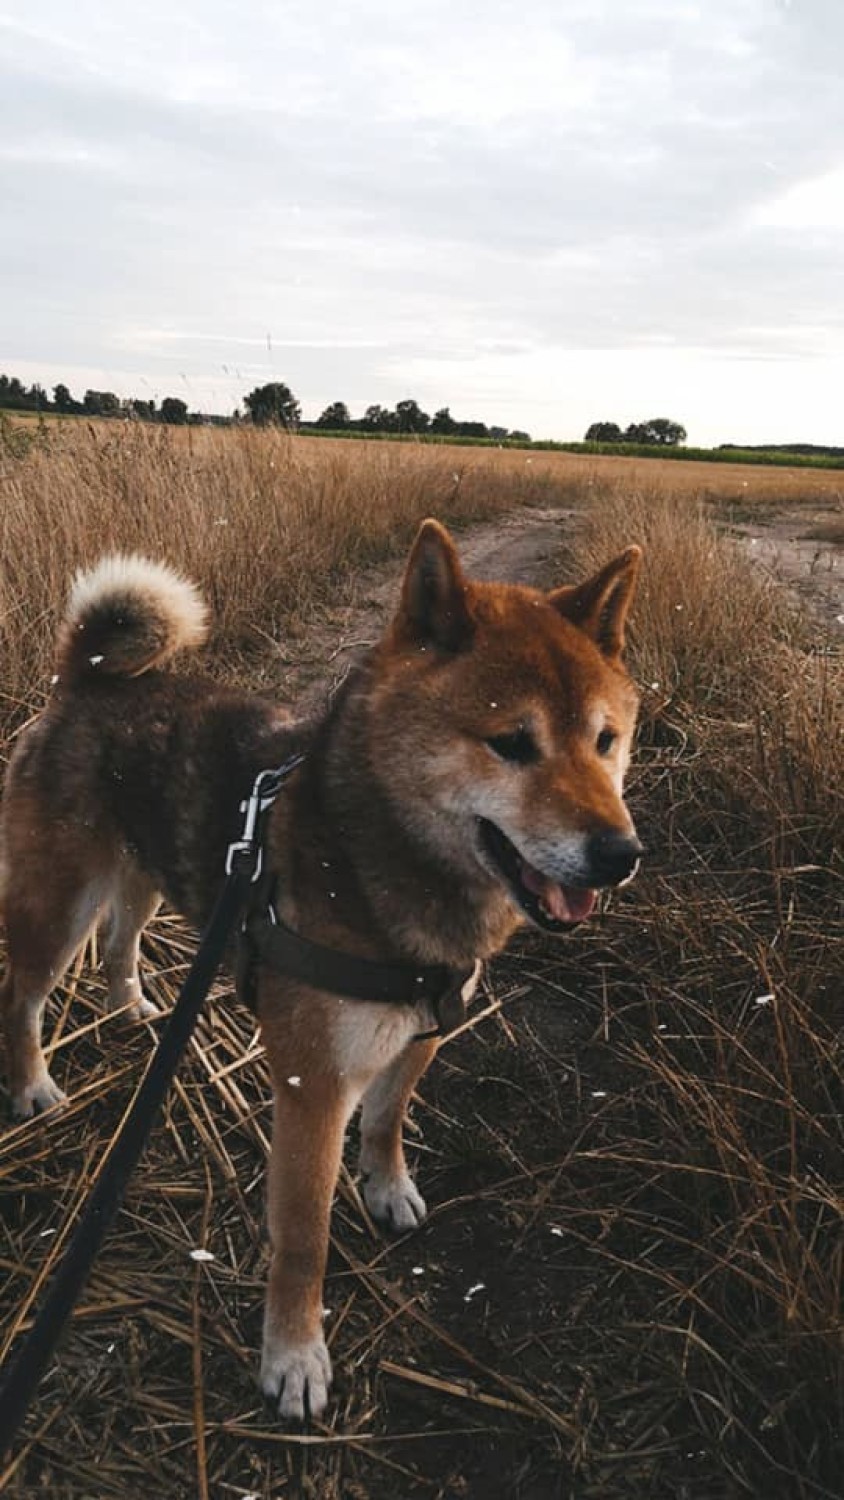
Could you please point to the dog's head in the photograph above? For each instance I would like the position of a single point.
(506, 716)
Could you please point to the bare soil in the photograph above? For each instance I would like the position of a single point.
(523, 547)
(802, 546)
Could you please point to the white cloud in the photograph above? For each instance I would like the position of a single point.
(815, 204)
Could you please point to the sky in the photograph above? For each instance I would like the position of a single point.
(539, 213)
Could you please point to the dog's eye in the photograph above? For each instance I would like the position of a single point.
(520, 747)
(605, 741)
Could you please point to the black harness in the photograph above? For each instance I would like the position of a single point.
(267, 941)
(264, 940)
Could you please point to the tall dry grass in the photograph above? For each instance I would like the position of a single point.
(267, 524)
(721, 1158)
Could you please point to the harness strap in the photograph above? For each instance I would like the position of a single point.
(266, 940)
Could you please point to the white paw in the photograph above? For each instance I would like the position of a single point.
(37, 1097)
(145, 1010)
(394, 1202)
(133, 1003)
(299, 1376)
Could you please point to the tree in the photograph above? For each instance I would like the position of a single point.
(273, 405)
(175, 410)
(62, 399)
(665, 433)
(101, 403)
(336, 417)
(443, 421)
(142, 411)
(378, 419)
(659, 432)
(12, 393)
(603, 432)
(411, 418)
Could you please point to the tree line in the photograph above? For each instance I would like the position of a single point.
(659, 432)
(15, 396)
(273, 404)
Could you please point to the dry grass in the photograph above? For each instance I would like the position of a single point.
(268, 525)
(720, 1157)
(631, 1282)
(735, 672)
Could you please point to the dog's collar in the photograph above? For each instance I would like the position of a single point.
(266, 940)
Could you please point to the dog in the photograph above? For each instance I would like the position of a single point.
(464, 779)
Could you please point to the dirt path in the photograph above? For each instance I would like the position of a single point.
(802, 547)
(517, 548)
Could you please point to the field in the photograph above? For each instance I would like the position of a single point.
(631, 1281)
(793, 456)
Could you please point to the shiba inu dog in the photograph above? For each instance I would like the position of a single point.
(466, 777)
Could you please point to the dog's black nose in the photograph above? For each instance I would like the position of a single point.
(612, 857)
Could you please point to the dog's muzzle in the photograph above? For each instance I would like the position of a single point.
(607, 859)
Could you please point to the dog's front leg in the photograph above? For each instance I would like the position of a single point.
(389, 1191)
(310, 1114)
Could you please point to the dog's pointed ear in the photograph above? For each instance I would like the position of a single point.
(599, 606)
(434, 608)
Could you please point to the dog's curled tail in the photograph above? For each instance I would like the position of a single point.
(126, 615)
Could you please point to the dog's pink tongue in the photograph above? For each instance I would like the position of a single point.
(581, 903)
(565, 903)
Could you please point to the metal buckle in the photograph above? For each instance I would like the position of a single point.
(265, 789)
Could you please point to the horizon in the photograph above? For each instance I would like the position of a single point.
(239, 412)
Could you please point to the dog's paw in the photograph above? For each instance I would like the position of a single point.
(132, 1003)
(299, 1376)
(37, 1097)
(144, 1010)
(394, 1202)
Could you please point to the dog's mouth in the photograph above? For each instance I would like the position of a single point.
(548, 903)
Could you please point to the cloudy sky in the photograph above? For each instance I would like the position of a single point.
(537, 212)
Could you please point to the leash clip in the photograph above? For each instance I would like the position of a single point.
(247, 852)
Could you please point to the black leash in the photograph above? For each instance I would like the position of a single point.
(264, 940)
(243, 866)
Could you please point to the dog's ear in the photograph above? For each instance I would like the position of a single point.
(434, 608)
(599, 606)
